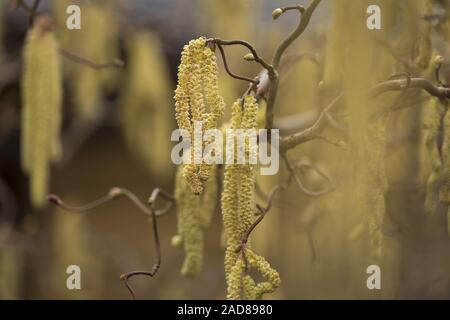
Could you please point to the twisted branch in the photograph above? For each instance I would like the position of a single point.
(151, 211)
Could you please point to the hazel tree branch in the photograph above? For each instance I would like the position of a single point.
(313, 132)
(305, 17)
(151, 210)
(117, 63)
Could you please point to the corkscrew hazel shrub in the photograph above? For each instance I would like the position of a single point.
(197, 99)
(41, 115)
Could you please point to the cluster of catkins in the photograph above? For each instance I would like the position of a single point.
(197, 100)
(41, 115)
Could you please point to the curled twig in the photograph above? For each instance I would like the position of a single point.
(151, 211)
(152, 205)
(301, 165)
(256, 57)
(262, 213)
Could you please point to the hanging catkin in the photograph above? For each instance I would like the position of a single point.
(238, 212)
(194, 214)
(41, 114)
(197, 100)
(147, 93)
(433, 120)
(97, 42)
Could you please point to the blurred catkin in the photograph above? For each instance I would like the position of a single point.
(194, 213)
(434, 115)
(146, 97)
(41, 114)
(96, 41)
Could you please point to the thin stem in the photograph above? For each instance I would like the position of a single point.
(297, 32)
(33, 11)
(83, 61)
(300, 165)
(263, 211)
(152, 205)
(151, 211)
(310, 133)
(255, 54)
(233, 75)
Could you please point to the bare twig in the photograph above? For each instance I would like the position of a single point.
(83, 61)
(152, 205)
(227, 68)
(151, 211)
(302, 165)
(33, 11)
(311, 132)
(256, 57)
(274, 81)
(262, 213)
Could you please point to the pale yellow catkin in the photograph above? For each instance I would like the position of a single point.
(444, 194)
(97, 42)
(434, 114)
(41, 88)
(238, 212)
(194, 213)
(147, 93)
(197, 99)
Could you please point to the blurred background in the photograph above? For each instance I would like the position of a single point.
(116, 132)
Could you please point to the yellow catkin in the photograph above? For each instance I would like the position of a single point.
(194, 214)
(96, 41)
(444, 194)
(241, 286)
(238, 212)
(434, 114)
(197, 99)
(41, 115)
(147, 92)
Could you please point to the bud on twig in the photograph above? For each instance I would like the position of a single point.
(277, 13)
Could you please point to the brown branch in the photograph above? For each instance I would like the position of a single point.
(274, 80)
(256, 57)
(301, 165)
(83, 61)
(414, 83)
(227, 68)
(33, 11)
(152, 205)
(262, 213)
(151, 211)
(311, 132)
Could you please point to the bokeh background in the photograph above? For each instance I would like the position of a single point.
(116, 133)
